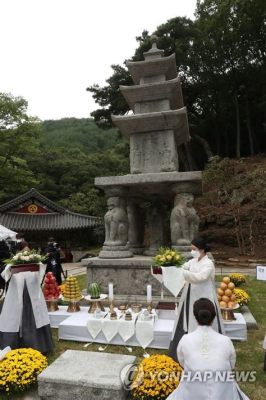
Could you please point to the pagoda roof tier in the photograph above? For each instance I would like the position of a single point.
(154, 67)
(175, 120)
(162, 183)
(170, 90)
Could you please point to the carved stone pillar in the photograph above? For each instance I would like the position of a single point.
(116, 226)
(155, 226)
(136, 226)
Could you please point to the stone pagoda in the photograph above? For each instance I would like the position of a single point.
(153, 205)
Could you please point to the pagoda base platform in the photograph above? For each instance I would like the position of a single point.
(160, 183)
(130, 276)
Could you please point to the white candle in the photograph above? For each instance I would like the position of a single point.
(111, 291)
(149, 294)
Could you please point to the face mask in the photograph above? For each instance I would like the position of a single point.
(19, 240)
(195, 253)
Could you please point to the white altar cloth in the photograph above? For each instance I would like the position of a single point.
(74, 327)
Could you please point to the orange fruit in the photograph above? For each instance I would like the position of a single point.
(219, 298)
(231, 285)
(231, 304)
(226, 279)
(223, 304)
(226, 299)
(223, 285)
(233, 297)
(228, 292)
(220, 292)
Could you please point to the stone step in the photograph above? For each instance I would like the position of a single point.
(84, 375)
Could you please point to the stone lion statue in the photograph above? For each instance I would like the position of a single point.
(116, 223)
(184, 221)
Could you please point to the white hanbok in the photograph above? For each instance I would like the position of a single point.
(200, 282)
(207, 357)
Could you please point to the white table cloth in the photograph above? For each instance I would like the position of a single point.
(11, 315)
(74, 327)
(142, 329)
(173, 279)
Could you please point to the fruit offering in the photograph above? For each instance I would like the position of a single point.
(225, 293)
(94, 291)
(72, 290)
(51, 290)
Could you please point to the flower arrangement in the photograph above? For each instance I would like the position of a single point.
(167, 257)
(156, 378)
(19, 369)
(242, 296)
(237, 279)
(26, 257)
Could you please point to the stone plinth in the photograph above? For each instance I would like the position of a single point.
(162, 184)
(129, 275)
(83, 375)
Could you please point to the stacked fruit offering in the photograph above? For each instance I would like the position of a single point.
(72, 290)
(51, 290)
(225, 293)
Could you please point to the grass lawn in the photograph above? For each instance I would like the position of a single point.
(249, 354)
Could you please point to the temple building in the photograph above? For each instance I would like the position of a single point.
(40, 218)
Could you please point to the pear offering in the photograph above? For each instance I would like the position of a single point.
(225, 293)
(94, 290)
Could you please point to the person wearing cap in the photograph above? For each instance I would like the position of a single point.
(208, 360)
(53, 259)
(199, 274)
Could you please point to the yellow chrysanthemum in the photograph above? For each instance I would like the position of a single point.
(20, 368)
(237, 279)
(242, 296)
(168, 257)
(156, 378)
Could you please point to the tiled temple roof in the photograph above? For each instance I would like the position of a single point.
(56, 218)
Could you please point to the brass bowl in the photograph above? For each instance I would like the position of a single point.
(123, 308)
(136, 307)
(113, 315)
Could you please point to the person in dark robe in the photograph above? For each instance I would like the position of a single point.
(54, 259)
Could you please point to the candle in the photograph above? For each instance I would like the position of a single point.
(149, 294)
(111, 291)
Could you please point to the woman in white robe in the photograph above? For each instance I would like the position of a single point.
(199, 274)
(207, 357)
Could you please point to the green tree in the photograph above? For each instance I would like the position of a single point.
(19, 141)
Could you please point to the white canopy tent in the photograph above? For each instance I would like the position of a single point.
(6, 233)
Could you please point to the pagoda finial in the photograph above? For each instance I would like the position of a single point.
(154, 39)
(154, 52)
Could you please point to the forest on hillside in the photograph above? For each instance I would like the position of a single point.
(59, 158)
